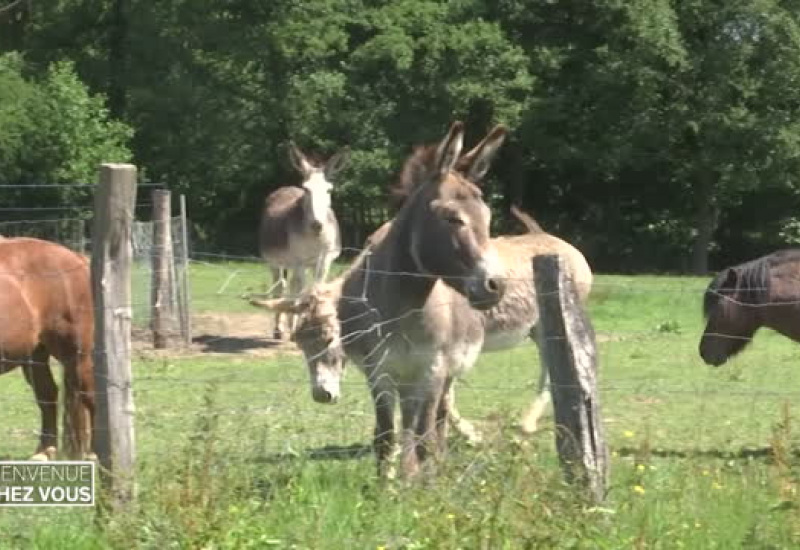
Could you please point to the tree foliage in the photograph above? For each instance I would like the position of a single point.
(650, 132)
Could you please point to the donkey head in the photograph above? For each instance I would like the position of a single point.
(318, 337)
(448, 218)
(317, 184)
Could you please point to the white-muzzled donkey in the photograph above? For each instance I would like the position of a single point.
(299, 229)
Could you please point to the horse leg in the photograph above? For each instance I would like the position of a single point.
(76, 428)
(461, 425)
(87, 403)
(383, 397)
(530, 420)
(40, 378)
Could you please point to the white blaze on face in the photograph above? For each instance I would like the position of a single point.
(320, 196)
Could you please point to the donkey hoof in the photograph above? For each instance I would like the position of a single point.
(91, 457)
(277, 334)
(45, 455)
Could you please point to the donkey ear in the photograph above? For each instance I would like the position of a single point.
(299, 160)
(336, 163)
(449, 150)
(475, 164)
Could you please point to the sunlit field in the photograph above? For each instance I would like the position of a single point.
(233, 453)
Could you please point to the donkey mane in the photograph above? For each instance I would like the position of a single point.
(415, 170)
(753, 281)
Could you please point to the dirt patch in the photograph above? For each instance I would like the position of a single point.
(218, 334)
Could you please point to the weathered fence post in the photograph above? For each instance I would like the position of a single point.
(567, 348)
(183, 286)
(111, 289)
(162, 293)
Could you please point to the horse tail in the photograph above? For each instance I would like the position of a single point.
(530, 224)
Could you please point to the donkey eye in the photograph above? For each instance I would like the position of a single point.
(455, 220)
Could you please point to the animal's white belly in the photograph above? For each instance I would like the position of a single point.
(305, 250)
(463, 356)
(413, 362)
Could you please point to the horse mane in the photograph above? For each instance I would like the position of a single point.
(753, 281)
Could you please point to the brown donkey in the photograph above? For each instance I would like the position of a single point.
(407, 350)
(506, 325)
(45, 293)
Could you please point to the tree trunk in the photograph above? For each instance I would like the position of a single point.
(706, 224)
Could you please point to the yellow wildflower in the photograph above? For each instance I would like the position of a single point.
(638, 489)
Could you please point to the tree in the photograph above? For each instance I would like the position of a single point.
(53, 131)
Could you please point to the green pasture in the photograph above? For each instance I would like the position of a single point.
(232, 452)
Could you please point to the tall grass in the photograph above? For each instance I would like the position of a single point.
(233, 453)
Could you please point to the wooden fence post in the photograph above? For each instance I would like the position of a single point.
(162, 313)
(183, 285)
(111, 289)
(568, 351)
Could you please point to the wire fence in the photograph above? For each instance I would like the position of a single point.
(657, 392)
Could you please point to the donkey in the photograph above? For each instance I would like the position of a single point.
(764, 292)
(406, 349)
(299, 229)
(45, 293)
(505, 325)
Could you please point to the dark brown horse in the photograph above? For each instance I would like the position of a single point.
(46, 302)
(741, 299)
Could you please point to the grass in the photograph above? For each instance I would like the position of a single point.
(232, 452)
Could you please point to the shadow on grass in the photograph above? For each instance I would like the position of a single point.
(356, 451)
(233, 344)
(744, 453)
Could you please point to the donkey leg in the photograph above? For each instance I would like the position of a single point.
(530, 420)
(446, 404)
(297, 283)
(383, 397)
(40, 378)
(427, 428)
(410, 407)
(461, 425)
(324, 266)
(278, 290)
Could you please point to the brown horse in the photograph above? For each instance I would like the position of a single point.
(407, 350)
(764, 292)
(45, 292)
